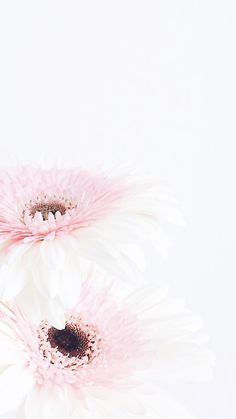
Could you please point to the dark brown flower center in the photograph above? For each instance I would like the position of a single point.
(46, 207)
(69, 341)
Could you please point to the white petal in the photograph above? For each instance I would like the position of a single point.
(3, 279)
(47, 403)
(46, 280)
(107, 255)
(128, 403)
(162, 406)
(18, 253)
(15, 384)
(55, 313)
(143, 299)
(52, 254)
(136, 255)
(10, 352)
(69, 286)
(6, 330)
(36, 307)
(30, 302)
(34, 404)
(12, 281)
(184, 360)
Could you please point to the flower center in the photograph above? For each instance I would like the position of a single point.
(73, 347)
(69, 341)
(45, 208)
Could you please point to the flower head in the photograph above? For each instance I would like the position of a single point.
(39, 203)
(61, 220)
(111, 356)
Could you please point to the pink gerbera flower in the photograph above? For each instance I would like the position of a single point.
(53, 222)
(108, 361)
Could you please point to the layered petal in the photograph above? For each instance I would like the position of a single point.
(109, 359)
(54, 221)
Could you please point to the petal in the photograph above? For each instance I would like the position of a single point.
(6, 330)
(135, 254)
(31, 303)
(12, 281)
(36, 307)
(15, 384)
(46, 280)
(69, 286)
(10, 352)
(47, 403)
(34, 404)
(52, 254)
(55, 314)
(162, 406)
(185, 360)
(128, 404)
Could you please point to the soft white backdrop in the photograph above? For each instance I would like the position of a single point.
(148, 82)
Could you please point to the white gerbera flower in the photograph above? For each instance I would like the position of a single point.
(53, 222)
(108, 362)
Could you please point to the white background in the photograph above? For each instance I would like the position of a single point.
(148, 82)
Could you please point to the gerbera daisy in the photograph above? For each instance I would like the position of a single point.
(108, 361)
(55, 221)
